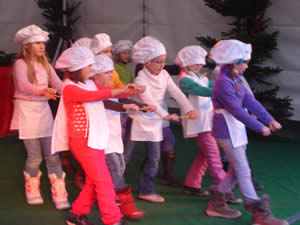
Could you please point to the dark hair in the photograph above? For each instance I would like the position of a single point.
(74, 76)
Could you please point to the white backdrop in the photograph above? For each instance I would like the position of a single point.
(175, 22)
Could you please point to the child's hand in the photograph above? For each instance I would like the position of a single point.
(141, 88)
(266, 131)
(172, 117)
(49, 93)
(133, 107)
(274, 125)
(192, 115)
(132, 89)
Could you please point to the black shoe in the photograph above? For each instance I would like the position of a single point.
(74, 219)
(195, 191)
(257, 186)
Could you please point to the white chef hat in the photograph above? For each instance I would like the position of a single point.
(147, 49)
(84, 41)
(191, 55)
(30, 34)
(102, 64)
(122, 45)
(100, 42)
(75, 58)
(230, 52)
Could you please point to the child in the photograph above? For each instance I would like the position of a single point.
(122, 56)
(230, 99)
(88, 134)
(101, 44)
(147, 127)
(199, 89)
(32, 116)
(103, 68)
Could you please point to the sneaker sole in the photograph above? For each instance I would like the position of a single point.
(216, 214)
(147, 200)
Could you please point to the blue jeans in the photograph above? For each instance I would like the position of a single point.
(239, 171)
(116, 165)
(36, 148)
(151, 166)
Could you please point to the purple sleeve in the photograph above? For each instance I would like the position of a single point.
(257, 109)
(233, 104)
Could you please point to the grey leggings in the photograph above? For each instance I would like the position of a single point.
(36, 149)
(239, 171)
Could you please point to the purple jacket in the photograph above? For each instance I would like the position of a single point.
(226, 96)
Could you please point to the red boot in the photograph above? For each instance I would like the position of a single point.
(127, 205)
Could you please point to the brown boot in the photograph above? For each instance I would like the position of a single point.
(168, 177)
(79, 178)
(217, 206)
(262, 214)
(127, 205)
(67, 161)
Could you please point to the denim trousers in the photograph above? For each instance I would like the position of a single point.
(37, 148)
(116, 165)
(239, 172)
(151, 165)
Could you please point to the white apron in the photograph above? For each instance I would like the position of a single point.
(237, 129)
(203, 107)
(97, 122)
(115, 143)
(33, 119)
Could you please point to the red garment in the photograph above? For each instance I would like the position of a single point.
(73, 98)
(98, 185)
(6, 96)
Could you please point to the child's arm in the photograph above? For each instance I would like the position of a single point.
(257, 109)
(226, 95)
(188, 86)
(77, 94)
(180, 98)
(55, 82)
(21, 79)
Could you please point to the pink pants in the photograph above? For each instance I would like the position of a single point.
(208, 157)
(98, 185)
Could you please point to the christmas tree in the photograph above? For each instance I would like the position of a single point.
(54, 13)
(250, 26)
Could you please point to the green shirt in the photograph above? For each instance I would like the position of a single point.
(125, 73)
(188, 86)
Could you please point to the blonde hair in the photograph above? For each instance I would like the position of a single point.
(25, 55)
(231, 73)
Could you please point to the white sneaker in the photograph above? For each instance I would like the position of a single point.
(154, 198)
(32, 189)
(59, 193)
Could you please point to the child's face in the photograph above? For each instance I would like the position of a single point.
(85, 72)
(36, 49)
(156, 65)
(241, 68)
(103, 78)
(125, 56)
(194, 68)
(107, 51)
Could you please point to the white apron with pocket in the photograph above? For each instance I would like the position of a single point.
(237, 130)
